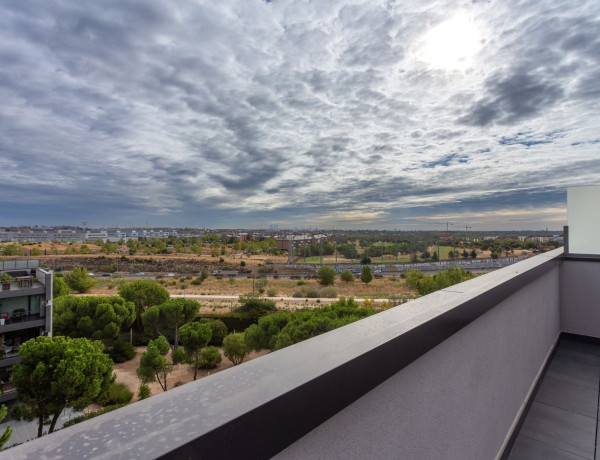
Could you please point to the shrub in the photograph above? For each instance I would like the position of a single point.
(307, 291)
(235, 348)
(328, 292)
(117, 393)
(255, 305)
(121, 351)
(144, 391)
(272, 292)
(210, 358)
(179, 356)
(197, 282)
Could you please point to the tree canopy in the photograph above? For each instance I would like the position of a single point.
(426, 284)
(235, 348)
(256, 306)
(59, 372)
(59, 287)
(92, 317)
(169, 316)
(283, 329)
(79, 280)
(144, 294)
(153, 364)
(326, 275)
(194, 337)
(347, 276)
(366, 276)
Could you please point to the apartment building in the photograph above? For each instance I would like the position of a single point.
(25, 313)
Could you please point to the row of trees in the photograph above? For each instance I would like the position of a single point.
(326, 275)
(426, 284)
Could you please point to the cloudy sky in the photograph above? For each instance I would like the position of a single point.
(346, 114)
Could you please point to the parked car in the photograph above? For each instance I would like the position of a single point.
(170, 275)
(106, 274)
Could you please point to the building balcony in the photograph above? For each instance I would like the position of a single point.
(24, 321)
(27, 282)
(459, 374)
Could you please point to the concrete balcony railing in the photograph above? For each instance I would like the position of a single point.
(445, 376)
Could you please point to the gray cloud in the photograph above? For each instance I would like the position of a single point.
(252, 112)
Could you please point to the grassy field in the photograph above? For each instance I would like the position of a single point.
(284, 287)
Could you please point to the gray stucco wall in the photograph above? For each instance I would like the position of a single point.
(580, 297)
(460, 399)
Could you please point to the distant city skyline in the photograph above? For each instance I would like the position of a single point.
(330, 114)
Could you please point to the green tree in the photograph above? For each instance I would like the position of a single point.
(302, 325)
(326, 275)
(366, 276)
(79, 280)
(59, 372)
(93, 317)
(5, 437)
(12, 250)
(144, 294)
(425, 284)
(84, 249)
(219, 331)
(194, 337)
(59, 287)
(210, 358)
(170, 315)
(153, 365)
(347, 276)
(255, 306)
(235, 348)
(263, 334)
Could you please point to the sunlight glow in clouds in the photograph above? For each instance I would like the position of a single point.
(452, 44)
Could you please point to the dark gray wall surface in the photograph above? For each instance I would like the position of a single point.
(459, 400)
(580, 297)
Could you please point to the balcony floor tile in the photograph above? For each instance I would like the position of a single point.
(562, 422)
(526, 448)
(567, 395)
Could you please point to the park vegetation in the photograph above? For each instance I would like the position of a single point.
(93, 317)
(426, 284)
(56, 373)
(79, 280)
(286, 328)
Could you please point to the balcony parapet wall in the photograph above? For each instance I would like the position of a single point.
(456, 366)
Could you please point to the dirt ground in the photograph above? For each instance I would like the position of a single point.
(184, 373)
